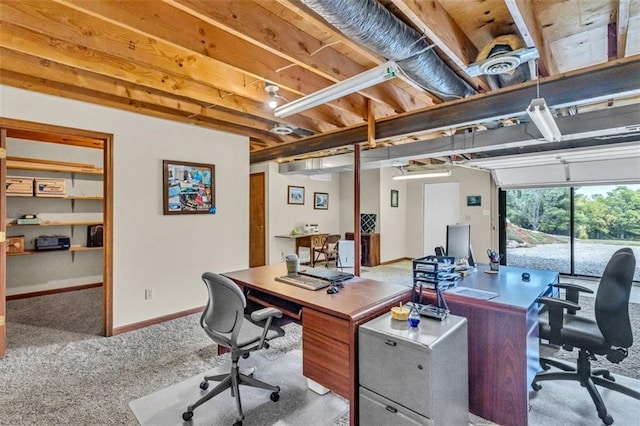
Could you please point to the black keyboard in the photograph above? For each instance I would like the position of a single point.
(310, 283)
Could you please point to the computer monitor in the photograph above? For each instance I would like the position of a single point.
(459, 241)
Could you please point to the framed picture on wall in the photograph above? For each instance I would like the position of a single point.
(394, 198)
(474, 200)
(320, 200)
(295, 194)
(188, 187)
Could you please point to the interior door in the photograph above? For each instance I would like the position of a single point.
(257, 233)
(3, 243)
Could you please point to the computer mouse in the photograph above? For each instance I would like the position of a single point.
(526, 276)
(333, 290)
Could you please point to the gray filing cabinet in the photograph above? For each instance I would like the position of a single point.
(413, 376)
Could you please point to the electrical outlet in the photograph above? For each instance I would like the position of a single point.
(147, 294)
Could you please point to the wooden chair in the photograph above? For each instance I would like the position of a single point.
(329, 250)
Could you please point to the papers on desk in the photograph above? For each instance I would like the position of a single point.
(472, 292)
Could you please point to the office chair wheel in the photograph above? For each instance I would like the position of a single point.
(266, 345)
(204, 385)
(607, 420)
(245, 356)
(536, 387)
(275, 396)
(187, 415)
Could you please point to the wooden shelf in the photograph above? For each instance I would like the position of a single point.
(16, 163)
(71, 249)
(67, 223)
(66, 197)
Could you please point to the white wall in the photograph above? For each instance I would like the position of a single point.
(166, 254)
(393, 220)
(369, 198)
(482, 218)
(282, 217)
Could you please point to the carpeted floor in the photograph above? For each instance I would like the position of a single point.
(297, 405)
(56, 373)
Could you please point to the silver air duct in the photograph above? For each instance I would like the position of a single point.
(370, 24)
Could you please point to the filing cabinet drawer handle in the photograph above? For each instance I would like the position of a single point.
(391, 409)
(389, 342)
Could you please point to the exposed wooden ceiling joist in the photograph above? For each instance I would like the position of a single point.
(599, 82)
(207, 62)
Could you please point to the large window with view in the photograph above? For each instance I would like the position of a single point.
(571, 230)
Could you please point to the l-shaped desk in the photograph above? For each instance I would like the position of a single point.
(329, 322)
(502, 332)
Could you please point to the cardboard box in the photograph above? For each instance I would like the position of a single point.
(49, 187)
(19, 186)
(15, 244)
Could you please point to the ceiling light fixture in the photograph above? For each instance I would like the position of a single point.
(544, 121)
(369, 78)
(442, 173)
(272, 89)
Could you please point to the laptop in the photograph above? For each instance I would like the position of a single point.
(326, 274)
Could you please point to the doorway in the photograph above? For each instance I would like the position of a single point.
(57, 136)
(257, 232)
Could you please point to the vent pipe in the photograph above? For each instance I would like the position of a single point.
(374, 27)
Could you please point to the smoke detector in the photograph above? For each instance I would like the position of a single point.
(281, 129)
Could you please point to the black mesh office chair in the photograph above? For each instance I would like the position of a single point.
(225, 322)
(609, 335)
(329, 250)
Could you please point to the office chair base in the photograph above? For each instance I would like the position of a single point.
(231, 381)
(588, 378)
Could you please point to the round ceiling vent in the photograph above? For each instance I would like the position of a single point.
(280, 129)
(500, 65)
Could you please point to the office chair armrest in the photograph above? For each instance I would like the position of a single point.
(556, 315)
(554, 303)
(576, 287)
(572, 293)
(264, 313)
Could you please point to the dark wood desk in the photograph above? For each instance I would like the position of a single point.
(329, 322)
(503, 339)
(370, 244)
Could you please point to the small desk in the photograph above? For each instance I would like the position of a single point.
(329, 322)
(306, 240)
(503, 339)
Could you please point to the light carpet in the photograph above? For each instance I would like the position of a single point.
(297, 405)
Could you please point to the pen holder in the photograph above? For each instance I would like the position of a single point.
(494, 266)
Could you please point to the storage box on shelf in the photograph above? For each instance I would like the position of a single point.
(19, 186)
(49, 187)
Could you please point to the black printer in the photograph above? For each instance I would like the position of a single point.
(53, 242)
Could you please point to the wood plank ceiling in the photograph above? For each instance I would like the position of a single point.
(208, 62)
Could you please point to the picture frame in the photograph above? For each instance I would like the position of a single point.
(474, 200)
(188, 188)
(320, 201)
(295, 195)
(394, 197)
